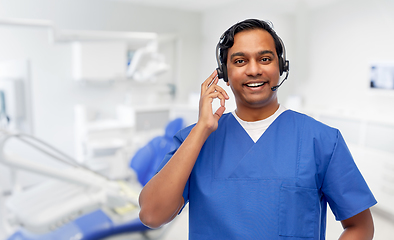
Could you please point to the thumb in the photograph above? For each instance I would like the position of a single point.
(219, 112)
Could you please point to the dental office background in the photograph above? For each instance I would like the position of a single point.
(67, 65)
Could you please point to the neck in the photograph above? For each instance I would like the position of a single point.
(256, 114)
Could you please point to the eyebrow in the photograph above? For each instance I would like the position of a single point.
(241, 54)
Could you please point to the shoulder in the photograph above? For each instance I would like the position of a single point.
(310, 128)
(307, 120)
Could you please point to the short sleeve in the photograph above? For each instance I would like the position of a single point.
(178, 140)
(344, 187)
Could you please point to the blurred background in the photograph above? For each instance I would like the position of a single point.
(100, 79)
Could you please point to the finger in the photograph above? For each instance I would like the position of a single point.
(214, 81)
(216, 88)
(212, 86)
(218, 95)
(221, 98)
(208, 81)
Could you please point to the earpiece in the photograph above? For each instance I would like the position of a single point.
(283, 62)
(222, 69)
(283, 66)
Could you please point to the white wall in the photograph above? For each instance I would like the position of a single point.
(53, 89)
(345, 39)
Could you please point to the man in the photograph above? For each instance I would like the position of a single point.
(260, 172)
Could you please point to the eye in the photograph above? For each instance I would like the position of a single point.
(239, 61)
(265, 59)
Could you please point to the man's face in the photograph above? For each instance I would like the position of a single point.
(252, 66)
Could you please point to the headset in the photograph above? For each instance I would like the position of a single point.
(222, 68)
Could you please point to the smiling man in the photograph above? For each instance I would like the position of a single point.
(253, 68)
(261, 171)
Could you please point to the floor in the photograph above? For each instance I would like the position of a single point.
(384, 227)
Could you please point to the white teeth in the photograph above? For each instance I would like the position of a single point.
(255, 84)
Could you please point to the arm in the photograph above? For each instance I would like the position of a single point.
(161, 198)
(358, 227)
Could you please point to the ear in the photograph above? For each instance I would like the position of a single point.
(227, 83)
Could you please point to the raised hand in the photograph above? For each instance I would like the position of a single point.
(161, 199)
(209, 91)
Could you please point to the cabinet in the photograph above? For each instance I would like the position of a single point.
(108, 55)
(99, 61)
(103, 56)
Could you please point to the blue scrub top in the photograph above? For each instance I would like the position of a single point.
(276, 188)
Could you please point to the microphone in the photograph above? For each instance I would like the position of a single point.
(274, 88)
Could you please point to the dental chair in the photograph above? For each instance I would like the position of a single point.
(92, 226)
(96, 207)
(154, 152)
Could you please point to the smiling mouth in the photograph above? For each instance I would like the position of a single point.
(253, 85)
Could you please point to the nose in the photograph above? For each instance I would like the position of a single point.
(253, 68)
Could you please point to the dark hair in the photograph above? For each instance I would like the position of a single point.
(227, 39)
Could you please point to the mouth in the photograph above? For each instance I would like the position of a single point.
(255, 85)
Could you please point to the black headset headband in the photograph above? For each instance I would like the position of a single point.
(222, 68)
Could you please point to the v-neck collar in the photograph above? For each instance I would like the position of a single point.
(239, 154)
(269, 125)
